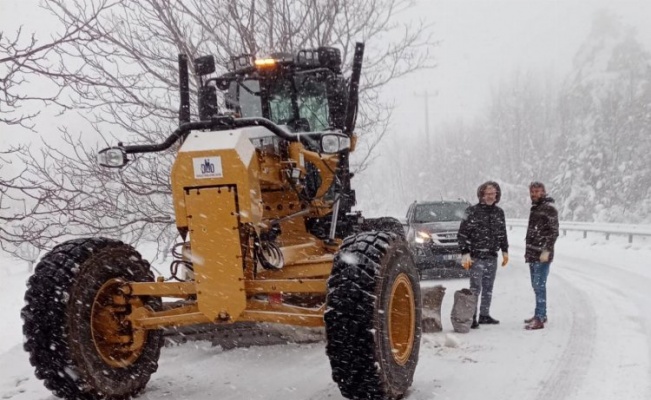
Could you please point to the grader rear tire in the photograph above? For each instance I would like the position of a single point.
(373, 317)
(73, 330)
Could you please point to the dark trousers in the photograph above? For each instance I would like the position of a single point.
(482, 277)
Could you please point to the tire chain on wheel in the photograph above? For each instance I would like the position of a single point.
(46, 319)
(350, 330)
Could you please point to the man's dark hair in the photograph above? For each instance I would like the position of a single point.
(536, 184)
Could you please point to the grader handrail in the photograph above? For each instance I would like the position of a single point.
(219, 123)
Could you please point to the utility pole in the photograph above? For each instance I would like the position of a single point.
(426, 95)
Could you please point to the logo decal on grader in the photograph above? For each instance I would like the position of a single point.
(207, 167)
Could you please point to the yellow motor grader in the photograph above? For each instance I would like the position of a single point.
(263, 203)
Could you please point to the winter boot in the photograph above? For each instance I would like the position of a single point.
(530, 320)
(487, 319)
(475, 324)
(537, 323)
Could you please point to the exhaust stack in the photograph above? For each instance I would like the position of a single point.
(184, 89)
(353, 90)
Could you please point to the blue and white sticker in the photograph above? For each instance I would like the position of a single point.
(207, 167)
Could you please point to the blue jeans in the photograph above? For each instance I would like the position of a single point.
(482, 277)
(539, 272)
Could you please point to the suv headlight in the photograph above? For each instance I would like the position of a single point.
(422, 237)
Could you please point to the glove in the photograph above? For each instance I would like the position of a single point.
(505, 259)
(466, 261)
(544, 256)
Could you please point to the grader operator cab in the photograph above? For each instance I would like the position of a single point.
(263, 200)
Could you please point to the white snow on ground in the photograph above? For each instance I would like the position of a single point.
(596, 346)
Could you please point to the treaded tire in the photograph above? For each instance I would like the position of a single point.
(357, 316)
(384, 224)
(56, 320)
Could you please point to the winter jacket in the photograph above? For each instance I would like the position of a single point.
(542, 230)
(483, 231)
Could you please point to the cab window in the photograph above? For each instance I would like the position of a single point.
(280, 102)
(313, 101)
(249, 103)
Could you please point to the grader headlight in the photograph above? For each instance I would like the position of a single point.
(112, 157)
(334, 143)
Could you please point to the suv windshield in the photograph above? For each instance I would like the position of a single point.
(439, 212)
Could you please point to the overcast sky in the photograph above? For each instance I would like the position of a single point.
(483, 41)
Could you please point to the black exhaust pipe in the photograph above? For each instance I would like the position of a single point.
(184, 89)
(353, 90)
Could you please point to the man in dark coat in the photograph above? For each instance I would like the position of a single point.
(542, 232)
(481, 235)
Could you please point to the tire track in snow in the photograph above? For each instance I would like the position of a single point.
(569, 371)
(618, 284)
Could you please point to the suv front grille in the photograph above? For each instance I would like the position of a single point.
(445, 237)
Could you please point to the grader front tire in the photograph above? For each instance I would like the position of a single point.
(373, 317)
(75, 335)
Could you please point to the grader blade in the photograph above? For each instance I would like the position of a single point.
(243, 334)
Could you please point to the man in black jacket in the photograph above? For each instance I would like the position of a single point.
(542, 232)
(481, 235)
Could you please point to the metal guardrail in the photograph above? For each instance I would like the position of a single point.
(602, 228)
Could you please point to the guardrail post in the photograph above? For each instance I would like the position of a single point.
(585, 234)
(630, 238)
(607, 235)
(564, 232)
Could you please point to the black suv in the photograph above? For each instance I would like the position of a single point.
(432, 228)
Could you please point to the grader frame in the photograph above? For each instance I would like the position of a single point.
(307, 260)
(263, 201)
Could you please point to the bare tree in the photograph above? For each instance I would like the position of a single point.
(127, 81)
(10, 215)
(21, 233)
(129, 78)
(32, 76)
(7, 179)
(24, 58)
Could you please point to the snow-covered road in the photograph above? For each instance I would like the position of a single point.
(596, 346)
